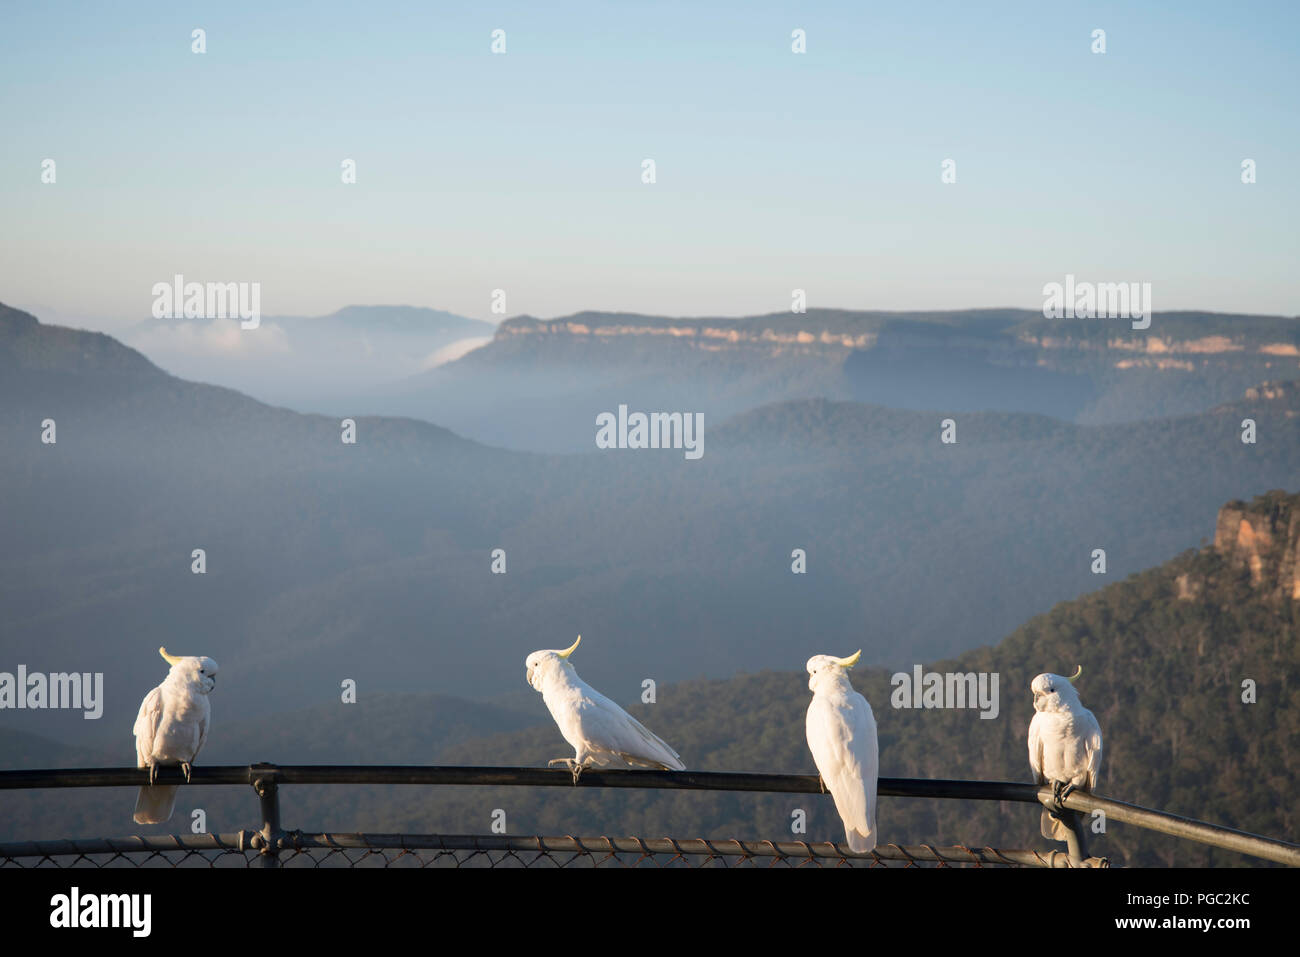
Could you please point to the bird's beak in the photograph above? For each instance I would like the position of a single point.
(850, 661)
(1075, 675)
(170, 659)
(571, 649)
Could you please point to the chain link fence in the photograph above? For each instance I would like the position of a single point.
(296, 849)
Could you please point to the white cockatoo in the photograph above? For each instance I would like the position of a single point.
(1064, 744)
(170, 730)
(602, 734)
(842, 738)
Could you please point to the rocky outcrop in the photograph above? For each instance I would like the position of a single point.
(1263, 537)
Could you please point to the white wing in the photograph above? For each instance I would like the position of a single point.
(605, 726)
(146, 727)
(1091, 732)
(203, 733)
(844, 747)
(1036, 748)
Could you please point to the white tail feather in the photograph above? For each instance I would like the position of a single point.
(1052, 827)
(861, 843)
(154, 804)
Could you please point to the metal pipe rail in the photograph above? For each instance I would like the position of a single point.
(266, 777)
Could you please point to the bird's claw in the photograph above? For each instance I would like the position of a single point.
(1060, 791)
(185, 769)
(821, 783)
(574, 767)
(153, 773)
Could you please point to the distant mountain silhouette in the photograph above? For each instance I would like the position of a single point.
(315, 363)
(27, 347)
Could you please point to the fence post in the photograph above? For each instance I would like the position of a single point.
(265, 784)
(1076, 836)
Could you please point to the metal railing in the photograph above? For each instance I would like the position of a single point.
(266, 847)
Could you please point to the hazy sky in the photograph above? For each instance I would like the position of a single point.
(523, 171)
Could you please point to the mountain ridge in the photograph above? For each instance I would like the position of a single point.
(538, 383)
(329, 560)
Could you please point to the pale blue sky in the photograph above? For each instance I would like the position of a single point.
(522, 171)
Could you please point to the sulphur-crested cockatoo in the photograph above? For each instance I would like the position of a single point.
(602, 734)
(1064, 744)
(170, 729)
(842, 738)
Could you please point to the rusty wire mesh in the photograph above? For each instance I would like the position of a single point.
(297, 850)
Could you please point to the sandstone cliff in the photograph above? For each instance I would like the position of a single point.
(1264, 537)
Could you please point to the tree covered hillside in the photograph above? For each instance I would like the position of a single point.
(1164, 656)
